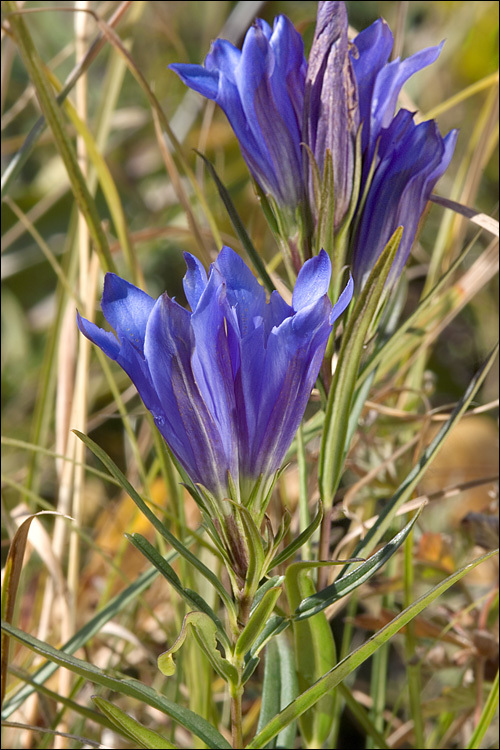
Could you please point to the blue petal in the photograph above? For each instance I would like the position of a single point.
(343, 301)
(127, 309)
(293, 358)
(198, 78)
(223, 57)
(195, 280)
(374, 46)
(212, 366)
(129, 359)
(411, 160)
(313, 281)
(103, 339)
(244, 292)
(190, 430)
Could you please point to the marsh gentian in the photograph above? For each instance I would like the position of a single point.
(228, 382)
(409, 158)
(275, 102)
(261, 91)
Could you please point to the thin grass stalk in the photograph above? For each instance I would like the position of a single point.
(412, 665)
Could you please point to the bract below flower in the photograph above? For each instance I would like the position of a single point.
(261, 91)
(228, 382)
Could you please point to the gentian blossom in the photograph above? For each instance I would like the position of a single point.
(228, 382)
(275, 102)
(261, 91)
(409, 158)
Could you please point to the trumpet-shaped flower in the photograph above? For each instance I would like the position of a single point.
(228, 382)
(275, 102)
(261, 91)
(410, 160)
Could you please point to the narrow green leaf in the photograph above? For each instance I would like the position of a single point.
(341, 395)
(205, 632)
(345, 584)
(257, 621)
(133, 688)
(279, 688)
(77, 708)
(345, 667)
(315, 652)
(486, 718)
(131, 728)
(239, 226)
(406, 488)
(165, 533)
(193, 599)
(297, 543)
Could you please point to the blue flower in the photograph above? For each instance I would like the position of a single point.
(409, 158)
(379, 81)
(228, 382)
(261, 91)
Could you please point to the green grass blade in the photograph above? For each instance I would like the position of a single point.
(239, 226)
(345, 667)
(165, 533)
(344, 585)
(56, 123)
(133, 688)
(487, 715)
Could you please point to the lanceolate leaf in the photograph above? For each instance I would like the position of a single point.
(133, 688)
(204, 631)
(342, 389)
(357, 657)
(193, 599)
(347, 583)
(131, 728)
(170, 538)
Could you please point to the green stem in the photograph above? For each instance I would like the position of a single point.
(236, 719)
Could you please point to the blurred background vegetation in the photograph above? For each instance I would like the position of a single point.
(39, 337)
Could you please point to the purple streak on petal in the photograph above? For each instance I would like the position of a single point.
(411, 160)
(293, 357)
(212, 366)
